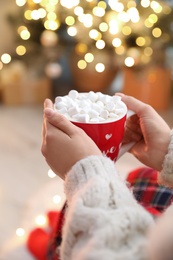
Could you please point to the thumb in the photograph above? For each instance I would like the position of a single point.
(133, 104)
(59, 121)
(48, 103)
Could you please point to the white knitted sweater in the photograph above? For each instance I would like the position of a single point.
(166, 175)
(103, 221)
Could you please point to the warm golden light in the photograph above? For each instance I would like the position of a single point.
(81, 48)
(134, 14)
(36, 1)
(41, 220)
(78, 10)
(113, 27)
(148, 51)
(126, 30)
(156, 32)
(42, 13)
(21, 50)
(27, 14)
(100, 67)
(72, 31)
(51, 25)
(148, 24)
(153, 18)
(103, 27)
(57, 199)
(70, 20)
(20, 232)
(5, 58)
(129, 62)
(20, 2)
(89, 57)
(156, 7)
(116, 42)
(21, 28)
(98, 11)
(69, 4)
(93, 34)
(116, 6)
(140, 41)
(102, 4)
(100, 44)
(82, 64)
(25, 34)
(51, 16)
(35, 15)
(51, 174)
(120, 50)
(145, 3)
(97, 26)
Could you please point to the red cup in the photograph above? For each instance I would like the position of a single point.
(107, 135)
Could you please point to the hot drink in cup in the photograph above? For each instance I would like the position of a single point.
(101, 116)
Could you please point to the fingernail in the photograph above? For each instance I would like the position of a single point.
(120, 94)
(48, 112)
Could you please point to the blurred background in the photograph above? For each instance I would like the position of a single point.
(49, 47)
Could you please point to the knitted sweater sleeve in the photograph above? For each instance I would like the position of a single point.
(166, 175)
(103, 220)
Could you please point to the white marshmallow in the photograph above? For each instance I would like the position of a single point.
(115, 99)
(105, 99)
(100, 103)
(84, 103)
(113, 115)
(73, 110)
(92, 96)
(90, 107)
(73, 94)
(96, 107)
(94, 120)
(110, 106)
(83, 118)
(101, 119)
(119, 111)
(59, 99)
(60, 105)
(93, 113)
(63, 110)
(104, 114)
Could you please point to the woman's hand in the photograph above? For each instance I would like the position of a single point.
(150, 132)
(63, 143)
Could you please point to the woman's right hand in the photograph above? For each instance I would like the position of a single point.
(149, 131)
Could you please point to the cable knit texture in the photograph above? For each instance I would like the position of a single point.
(103, 220)
(166, 175)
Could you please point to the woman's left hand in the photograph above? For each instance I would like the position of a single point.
(63, 143)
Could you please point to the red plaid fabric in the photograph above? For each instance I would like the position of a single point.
(146, 190)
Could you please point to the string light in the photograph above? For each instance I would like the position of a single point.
(100, 67)
(21, 50)
(51, 174)
(129, 61)
(20, 232)
(109, 23)
(57, 199)
(6, 58)
(41, 220)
